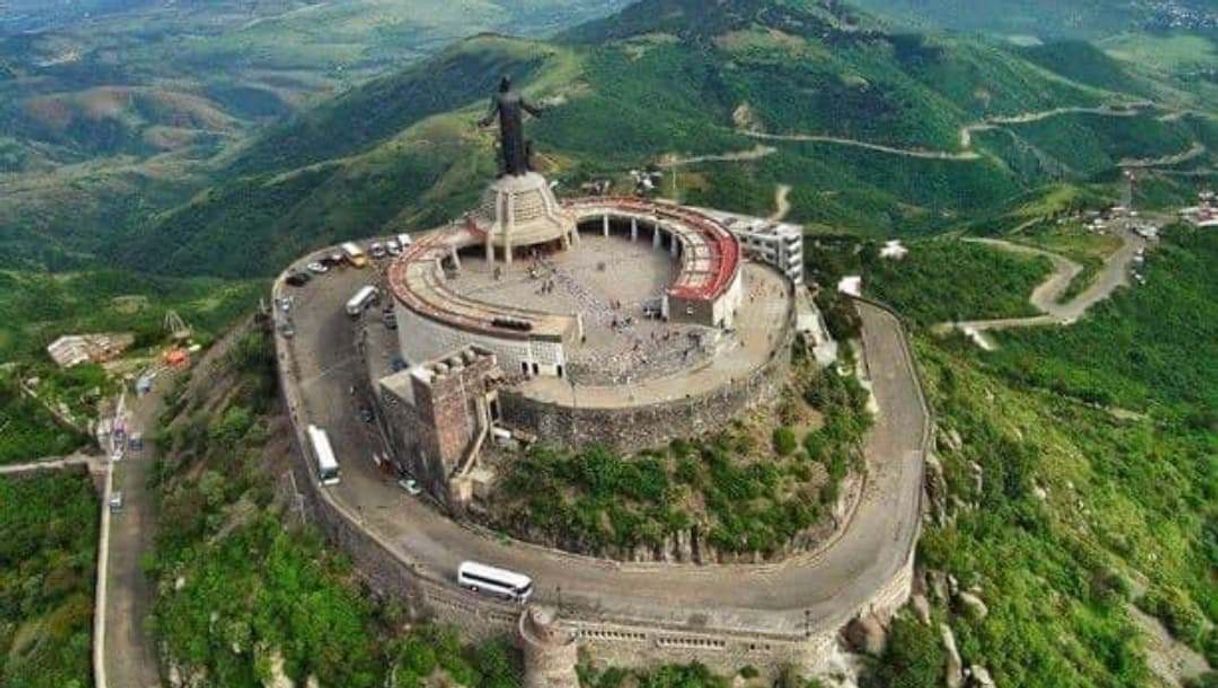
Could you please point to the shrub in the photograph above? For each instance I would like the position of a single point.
(784, 441)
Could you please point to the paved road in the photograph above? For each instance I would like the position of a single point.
(1113, 274)
(804, 593)
(129, 651)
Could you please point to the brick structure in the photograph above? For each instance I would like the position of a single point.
(439, 414)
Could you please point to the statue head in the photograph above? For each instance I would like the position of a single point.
(505, 84)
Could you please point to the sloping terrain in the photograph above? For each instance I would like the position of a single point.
(875, 132)
(112, 109)
(1074, 18)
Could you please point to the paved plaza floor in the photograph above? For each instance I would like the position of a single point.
(616, 285)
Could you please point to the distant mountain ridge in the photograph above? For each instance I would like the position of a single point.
(1050, 18)
(668, 79)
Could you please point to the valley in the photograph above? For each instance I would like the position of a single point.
(1006, 477)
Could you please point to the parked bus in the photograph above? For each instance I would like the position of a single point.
(488, 579)
(327, 465)
(354, 254)
(363, 298)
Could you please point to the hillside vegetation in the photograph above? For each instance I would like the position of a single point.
(764, 485)
(111, 112)
(48, 541)
(673, 78)
(1059, 510)
(1031, 18)
(247, 593)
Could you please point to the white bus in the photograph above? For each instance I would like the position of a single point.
(354, 254)
(365, 296)
(327, 465)
(488, 579)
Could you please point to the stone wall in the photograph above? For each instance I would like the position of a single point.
(642, 427)
(389, 572)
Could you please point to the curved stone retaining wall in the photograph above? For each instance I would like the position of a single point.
(646, 426)
(388, 572)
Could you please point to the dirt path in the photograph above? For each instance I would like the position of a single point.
(1195, 151)
(756, 153)
(907, 152)
(967, 131)
(1045, 297)
(782, 203)
(93, 463)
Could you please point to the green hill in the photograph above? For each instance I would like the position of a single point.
(1054, 18)
(668, 79)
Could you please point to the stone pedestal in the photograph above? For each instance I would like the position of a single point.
(521, 211)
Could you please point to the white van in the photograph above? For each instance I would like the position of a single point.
(363, 298)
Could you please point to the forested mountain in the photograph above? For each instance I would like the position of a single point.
(877, 131)
(1051, 18)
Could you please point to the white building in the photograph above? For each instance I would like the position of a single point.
(780, 244)
(894, 250)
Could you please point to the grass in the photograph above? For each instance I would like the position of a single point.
(240, 588)
(48, 541)
(1077, 243)
(27, 429)
(36, 308)
(943, 280)
(1079, 513)
(1170, 52)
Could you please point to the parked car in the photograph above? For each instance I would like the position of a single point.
(390, 320)
(398, 364)
(393, 247)
(411, 486)
(136, 443)
(335, 260)
(287, 330)
(366, 415)
(377, 250)
(318, 268)
(298, 279)
(116, 502)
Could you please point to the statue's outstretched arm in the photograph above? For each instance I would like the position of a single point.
(490, 114)
(531, 108)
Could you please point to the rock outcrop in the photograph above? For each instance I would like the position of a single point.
(866, 634)
(953, 666)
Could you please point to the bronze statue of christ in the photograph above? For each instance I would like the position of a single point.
(510, 106)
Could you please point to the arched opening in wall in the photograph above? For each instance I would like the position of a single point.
(536, 369)
(524, 367)
(560, 371)
(495, 414)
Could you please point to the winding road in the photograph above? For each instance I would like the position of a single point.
(818, 592)
(1045, 297)
(967, 132)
